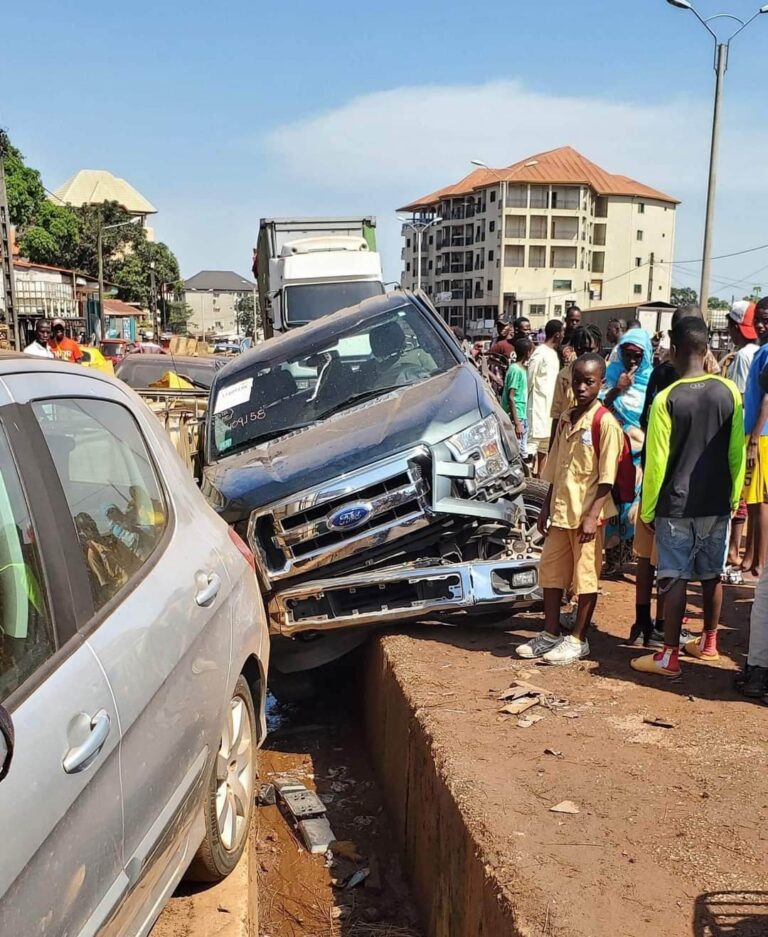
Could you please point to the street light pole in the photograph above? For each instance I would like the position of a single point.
(722, 49)
(418, 228)
(721, 65)
(502, 228)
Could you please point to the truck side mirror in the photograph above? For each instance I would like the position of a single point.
(7, 737)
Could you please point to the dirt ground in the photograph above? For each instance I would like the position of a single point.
(670, 838)
(321, 747)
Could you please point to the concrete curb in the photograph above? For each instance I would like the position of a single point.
(454, 884)
(228, 909)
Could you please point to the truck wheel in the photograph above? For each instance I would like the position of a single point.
(231, 790)
(534, 493)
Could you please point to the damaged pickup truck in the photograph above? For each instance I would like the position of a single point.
(374, 476)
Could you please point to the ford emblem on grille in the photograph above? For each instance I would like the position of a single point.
(349, 516)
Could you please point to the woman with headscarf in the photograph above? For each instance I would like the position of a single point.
(626, 382)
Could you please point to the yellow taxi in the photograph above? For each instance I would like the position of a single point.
(93, 358)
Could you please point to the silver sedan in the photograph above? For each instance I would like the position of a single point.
(133, 661)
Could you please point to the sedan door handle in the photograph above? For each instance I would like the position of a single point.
(208, 593)
(80, 757)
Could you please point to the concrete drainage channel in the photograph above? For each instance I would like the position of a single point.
(404, 864)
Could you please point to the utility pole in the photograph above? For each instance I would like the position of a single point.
(6, 256)
(100, 253)
(650, 278)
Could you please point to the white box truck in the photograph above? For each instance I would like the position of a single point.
(310, 267)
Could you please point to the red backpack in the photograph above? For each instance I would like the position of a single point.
(626, 477)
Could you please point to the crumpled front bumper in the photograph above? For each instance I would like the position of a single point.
(399, 593)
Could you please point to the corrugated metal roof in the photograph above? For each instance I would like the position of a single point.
(562, 166)
(223, 281)
(94, 186)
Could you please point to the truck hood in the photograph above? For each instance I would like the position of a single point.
(423, 413)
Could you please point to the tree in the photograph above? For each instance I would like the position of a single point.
(65, 236)
(755, 295)
(684, 296)
(716, 304)
(177, 314)
(24, 185)
(247, 317)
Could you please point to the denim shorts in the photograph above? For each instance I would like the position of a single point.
(691, 547)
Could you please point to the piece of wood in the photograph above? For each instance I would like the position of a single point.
(520, 706)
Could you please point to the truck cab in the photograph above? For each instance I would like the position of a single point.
(310, 268)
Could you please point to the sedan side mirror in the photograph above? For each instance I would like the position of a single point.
(7, 737)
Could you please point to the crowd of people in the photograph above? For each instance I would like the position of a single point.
(650, 453)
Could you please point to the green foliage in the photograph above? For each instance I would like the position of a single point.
(65, 236)
(756, 294)
(716, 304)
(246, 316)
(177, 314)
(24, 185)
(684, 296)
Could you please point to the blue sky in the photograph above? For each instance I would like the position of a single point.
(223, 113)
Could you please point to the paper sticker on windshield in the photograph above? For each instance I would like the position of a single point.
(233, 395)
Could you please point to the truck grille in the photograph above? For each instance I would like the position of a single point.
(342, 517)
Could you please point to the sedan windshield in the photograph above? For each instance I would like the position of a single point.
(372, 358)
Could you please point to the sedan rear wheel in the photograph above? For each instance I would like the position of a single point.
(230, 796)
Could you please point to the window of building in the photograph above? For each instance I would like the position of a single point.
(490, 284)
(562, 284)
(514, 255)
(491, 225)
(110, 485)
(537, 256)
(431, 239)
(538, 227)
(638, 261)
(493, 195)
(430, 265)
(26, 635)
(539, 196)
(408, 267)
(490, 255)
(637, 289)
(407, 242)
(537, 309)
(558, 310)
(641, 208)
(515, 226)
(639, 235)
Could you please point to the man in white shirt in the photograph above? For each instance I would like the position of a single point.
(39, 348)
(543, 369)
(741, 328)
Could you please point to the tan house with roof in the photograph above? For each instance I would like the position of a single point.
(569, 232)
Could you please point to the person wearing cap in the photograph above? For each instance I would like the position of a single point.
(63, 348)
(741, 328)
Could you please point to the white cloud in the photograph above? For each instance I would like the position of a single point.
(426, 135)
(384, 149)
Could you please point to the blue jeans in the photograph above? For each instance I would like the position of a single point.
(691, 547)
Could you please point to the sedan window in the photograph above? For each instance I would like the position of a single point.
(111, 488)
(26, 635)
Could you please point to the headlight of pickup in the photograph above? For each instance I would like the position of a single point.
(481, 446)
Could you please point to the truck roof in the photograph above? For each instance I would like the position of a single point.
(304, 222)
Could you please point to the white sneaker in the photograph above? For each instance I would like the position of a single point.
(538, 646)
(567, 651)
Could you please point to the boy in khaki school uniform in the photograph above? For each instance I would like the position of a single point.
(577, 505)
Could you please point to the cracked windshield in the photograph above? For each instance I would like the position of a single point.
(281, 395)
